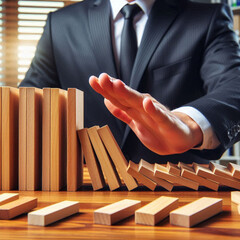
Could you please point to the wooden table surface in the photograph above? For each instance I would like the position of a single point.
(225, 225)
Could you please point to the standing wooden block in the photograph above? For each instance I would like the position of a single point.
(53, 213)
(147, 169)
(173, 169)
(46, 140)
(235, 197)
(117, 156)
(196, 212)
(162, 172)
(116, 212)
(17, 207)
(157, 210)
(10, 104)
(8, 197)
(75, 105)
(58, 138)
(188, 172)
(107, 166)
(234, 169)
(133, 170)
(93, 166)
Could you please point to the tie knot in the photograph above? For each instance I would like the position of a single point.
(129, 11)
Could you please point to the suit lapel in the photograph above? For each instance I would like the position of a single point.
(100, 29)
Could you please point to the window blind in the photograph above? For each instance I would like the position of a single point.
(21, 26)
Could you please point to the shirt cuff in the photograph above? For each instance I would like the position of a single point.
(210, 140)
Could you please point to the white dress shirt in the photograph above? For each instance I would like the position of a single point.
(210, 140)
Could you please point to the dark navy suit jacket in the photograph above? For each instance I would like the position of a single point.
(188, 55)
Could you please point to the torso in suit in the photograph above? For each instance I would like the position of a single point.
(188, 56)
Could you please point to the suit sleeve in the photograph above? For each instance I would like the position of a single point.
(42, 72)
(220, 72)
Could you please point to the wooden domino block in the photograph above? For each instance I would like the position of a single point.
(74, 122)
(17, 207)
(107, 166)
(173, 169)
(8, 197)
(234, 169)
(196, 212)
(221, 170)
(117, 156)
(133, 170)
(93, 166)
(10, 106)
(188, 172)
(235, 197)
(147, 169)
(207, 173)
(46, 140)
(157, 210)
(162, 172)
(53, 213)
(116, 212)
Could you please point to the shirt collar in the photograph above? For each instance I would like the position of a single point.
(117, 5)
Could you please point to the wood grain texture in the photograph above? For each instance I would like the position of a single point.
(117, 156)
(133, 170)
(17, 207)
(10, 107)
(234, 169)
(162, 172)
(116, 212)
(53, 213)
(93, 166)
(235, 197)
(147, 169)
(8, 197)
(196, 212)
(75, 121)
(107, 166)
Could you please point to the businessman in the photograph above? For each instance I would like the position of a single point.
(179, 92)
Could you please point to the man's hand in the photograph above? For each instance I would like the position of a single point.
(162, 131)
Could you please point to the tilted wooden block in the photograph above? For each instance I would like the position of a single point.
(117, 156)
(235, 197)
(116, 212)
(234, 169)
(133, 170)
(162, 172)
(188, 172)
(173, 169)
(221, 171)
(17, 207)
(155, 211)
(196, 212)
(207, 173)
(93, 166)
(147, 169)
(53, 213)
(74, 122)
(107, 166)
(10, 107)
(8, 197)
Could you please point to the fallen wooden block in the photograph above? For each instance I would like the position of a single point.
(157, 210)
(53, 213)
(196, 212)
(8, 197)
(221, 171)
(116, 212)
(162, 172)
(93, 166)
(133, 170)
(235, 197)
(17, 207)
(117, 156)
(173, 169)
(189, 173)
(147, 169)
(234, 169)
(107, 166)
(207, 173)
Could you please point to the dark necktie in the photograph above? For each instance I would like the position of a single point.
(128, 42)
